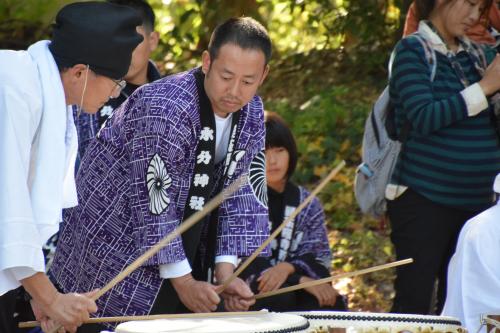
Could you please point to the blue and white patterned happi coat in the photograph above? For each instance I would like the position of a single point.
(306, 236)
(154, 133)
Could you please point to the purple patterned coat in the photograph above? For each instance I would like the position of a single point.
(303, 242)
(119, 217)
(310, 238)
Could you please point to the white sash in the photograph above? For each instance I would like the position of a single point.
(52, 178)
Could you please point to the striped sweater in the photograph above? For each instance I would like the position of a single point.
(450, 157)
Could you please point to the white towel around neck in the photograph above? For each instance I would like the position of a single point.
(52, 175)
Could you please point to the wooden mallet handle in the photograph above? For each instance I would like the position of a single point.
(30, 324)
(276, 232)
(188, 223)
(332, 278)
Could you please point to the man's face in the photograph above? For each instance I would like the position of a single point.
(99, 90)
(85, 88)
(140, 57)
(233, 77)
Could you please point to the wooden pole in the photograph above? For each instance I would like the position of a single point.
(276, 232)
(335, 277)
(188, 223)
(192, 220)
(30, 324)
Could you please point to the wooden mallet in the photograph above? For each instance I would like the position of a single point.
(276, 232)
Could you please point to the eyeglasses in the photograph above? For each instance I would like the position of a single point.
(119, 86)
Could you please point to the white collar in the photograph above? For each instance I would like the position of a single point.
(222, 120)
(436, 42)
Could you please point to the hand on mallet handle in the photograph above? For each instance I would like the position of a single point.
(69, 310)
(237, 296)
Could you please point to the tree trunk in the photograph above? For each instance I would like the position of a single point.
(215, 12)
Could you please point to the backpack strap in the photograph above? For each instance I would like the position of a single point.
(391, 61)
(375, 128)
(430, 55)
(404, 133)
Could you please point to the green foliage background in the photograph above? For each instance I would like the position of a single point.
(327, 69)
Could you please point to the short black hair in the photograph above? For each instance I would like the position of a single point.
(278, 134)
(145, 11)
(244, 32)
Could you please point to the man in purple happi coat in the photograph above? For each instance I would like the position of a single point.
(160, 157)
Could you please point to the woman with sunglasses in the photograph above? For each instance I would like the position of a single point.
(445, 172)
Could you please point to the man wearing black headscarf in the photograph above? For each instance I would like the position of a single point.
(82, 65)
(141, 71)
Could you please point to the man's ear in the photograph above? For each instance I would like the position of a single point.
(205, 62)
(73, 80)
(154, 38)
(77, 71)
(266, 71)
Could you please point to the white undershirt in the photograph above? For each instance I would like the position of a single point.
(222, 134)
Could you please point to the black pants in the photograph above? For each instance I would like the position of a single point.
(7, 310)
(428, 233)
(15, 308)
(299, 300)
(91, 328)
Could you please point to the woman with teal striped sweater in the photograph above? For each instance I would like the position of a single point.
(448, 164)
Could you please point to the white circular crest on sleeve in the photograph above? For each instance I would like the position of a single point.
(158, 181)
(258, 177)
